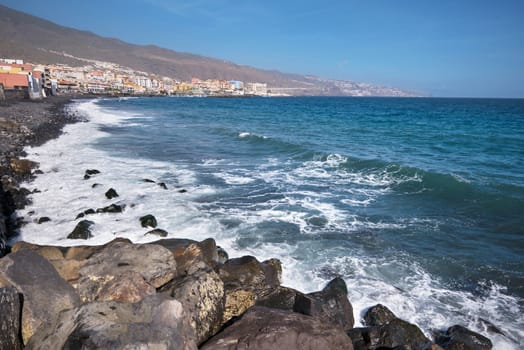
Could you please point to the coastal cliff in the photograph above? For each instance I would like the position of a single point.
(172, 293)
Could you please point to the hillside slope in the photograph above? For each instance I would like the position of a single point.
(37, 40)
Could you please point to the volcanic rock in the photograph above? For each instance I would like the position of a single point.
(10, 311)
(202, 295)
(154, 263)
(262, 328)
(113, 208)
(157, 232)
(111, 193)
(22, 166)
(330, 305)
(45, 293)
(156, 322)
(82, 230)
(148, 221)
(461, 338)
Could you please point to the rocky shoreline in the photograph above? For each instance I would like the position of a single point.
(169, 294)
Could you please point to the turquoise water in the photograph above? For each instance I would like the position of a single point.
(416, 203)
(440, 181)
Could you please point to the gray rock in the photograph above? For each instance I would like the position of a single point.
(154, 263)
(262, 328)
(45, 292)
(156, 322)
(461, 338)
(148, 221)
(202, 295)
(82, 230)
(10, 310)
(330, 305)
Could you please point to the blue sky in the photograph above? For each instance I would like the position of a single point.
(443, 48)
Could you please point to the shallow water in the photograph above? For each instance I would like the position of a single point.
(417, 203)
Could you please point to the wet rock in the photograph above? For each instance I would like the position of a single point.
(157, 232)
(222, 255)
(84, 213)
(182, 191)
(22, 166)
(378, 315)
(156, 322)
(245, 281)
(111, 193)
(43, 219)
(330, 305)
(95, 185)
(10, 311)
(45, 293)
(92, 172)
(264, 328)
(82, 230)
(202, 295)
(461, 338)
(154, 263)
(397, 334)
(163, 185)
(148, 181)
(113, 208)
(148, 221)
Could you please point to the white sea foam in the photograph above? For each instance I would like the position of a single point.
(400, 284)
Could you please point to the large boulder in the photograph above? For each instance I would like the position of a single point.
(280, 298)
(154, 263)
(10, 310)
(45, 293)
(378, 315)
(202, 295)
(157, 322)
(246, 280)
(386, 331)
(461, 338)
(190, 255)
(330, 305)
(263, 328)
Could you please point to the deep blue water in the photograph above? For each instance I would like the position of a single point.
(425, 187)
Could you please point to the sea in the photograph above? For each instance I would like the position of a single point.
(418, 203)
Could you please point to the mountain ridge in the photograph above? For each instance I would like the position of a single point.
(34, 39)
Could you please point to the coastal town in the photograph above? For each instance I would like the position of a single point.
(105, 78)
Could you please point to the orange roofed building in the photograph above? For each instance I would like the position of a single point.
(13, 81)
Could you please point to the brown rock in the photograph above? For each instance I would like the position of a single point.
(22, 166)
(202, 295)
(129, 287)
(154, 263)
(270, 329)
(330, 305)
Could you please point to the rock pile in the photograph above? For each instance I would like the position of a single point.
(183, 294)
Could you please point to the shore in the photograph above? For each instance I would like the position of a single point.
(188, 293)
